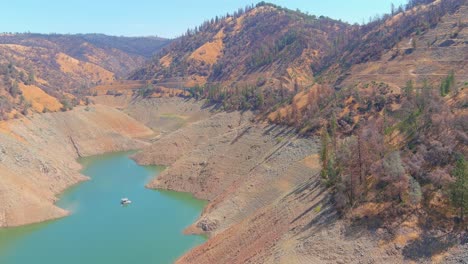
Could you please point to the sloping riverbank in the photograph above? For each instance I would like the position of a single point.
(266, 200)
(100, 230)
(267, 203)
(38, 157)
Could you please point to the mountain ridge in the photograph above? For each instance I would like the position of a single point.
(64, 67)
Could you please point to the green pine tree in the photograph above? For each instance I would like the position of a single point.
(459, 189)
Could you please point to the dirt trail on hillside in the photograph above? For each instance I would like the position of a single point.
(38, 157)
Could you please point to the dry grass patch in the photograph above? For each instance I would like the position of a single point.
(118, 86)
(39, 99)
(194, 80)
(210, 51)
(73, 66)
(6, 130)
(166, 60)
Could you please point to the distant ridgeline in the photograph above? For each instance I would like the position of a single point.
(51, 72)
(272, 52)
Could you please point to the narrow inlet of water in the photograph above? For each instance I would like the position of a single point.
(100, 230)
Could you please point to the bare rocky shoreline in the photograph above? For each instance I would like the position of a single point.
(266, 200)
(38, 157)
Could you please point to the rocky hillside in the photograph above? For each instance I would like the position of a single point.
(403, 107)
(350, 147)
(262, 46)
(262, 56)
(265, 189)
(51, 72)
(388, 100)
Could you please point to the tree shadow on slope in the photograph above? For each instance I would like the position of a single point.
(363, 226)
(324, 220)
(306, 189)
(428, 246)
(324, 215)
(321, 212)
(278, 131)
(438, 237)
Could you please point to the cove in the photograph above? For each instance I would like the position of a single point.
(99, 229)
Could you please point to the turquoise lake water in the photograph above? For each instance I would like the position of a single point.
(100, 230)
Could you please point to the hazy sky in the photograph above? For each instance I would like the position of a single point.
(167, 18)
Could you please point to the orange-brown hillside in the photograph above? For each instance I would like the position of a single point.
(53, 72)
(260, 46)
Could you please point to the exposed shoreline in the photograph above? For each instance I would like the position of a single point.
(39, 149)
(267, 203)
(261, 182)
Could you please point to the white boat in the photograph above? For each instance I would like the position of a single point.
(125, 201)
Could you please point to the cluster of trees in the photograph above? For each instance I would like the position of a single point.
(352, 47)
(12, 76)
(148, 90)
(243, 98)
(404, 157)
(67, 104)
(265, 55)
(186, 44)
(5, 107)
(361, 164)
(459, 187)
(271, 41)
(306, 118)
(261, 43)
(447, 84)
(207, 25)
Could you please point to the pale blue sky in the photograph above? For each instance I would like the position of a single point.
(168, 18)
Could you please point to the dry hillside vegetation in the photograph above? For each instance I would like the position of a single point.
(264, 187)
(89, 71)
(393, 126)
(253, 44)
(64, 67)
(387, 100)
(40, 101)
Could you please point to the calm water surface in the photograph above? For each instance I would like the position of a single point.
(100, 230)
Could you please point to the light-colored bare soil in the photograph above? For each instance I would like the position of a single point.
(176, 144)
(165, 115)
